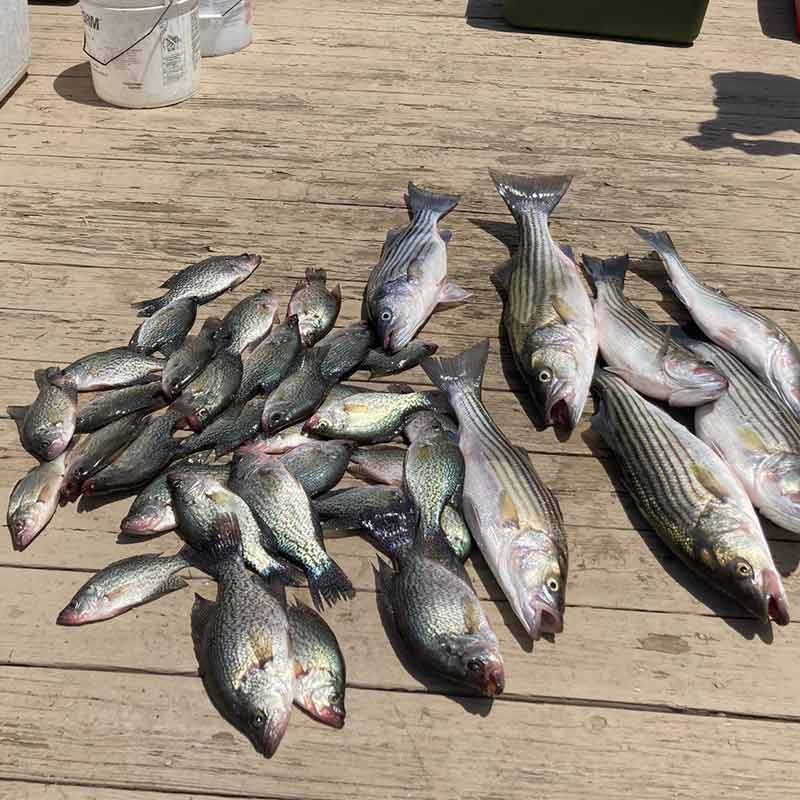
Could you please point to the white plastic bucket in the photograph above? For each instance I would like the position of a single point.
(15, 43)
(226, 26)
(143, 53)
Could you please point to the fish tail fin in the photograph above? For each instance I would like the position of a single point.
(329, 584)
(146, 308)
(17, 413)
(314, 274)
(42, 376)
(607, 270)
(535, 194)
(419, 200)
(463, 372)
(390, 532)
(660, 241)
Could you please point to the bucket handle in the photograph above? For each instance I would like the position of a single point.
(140, 39)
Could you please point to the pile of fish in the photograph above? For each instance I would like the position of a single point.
(237, 436)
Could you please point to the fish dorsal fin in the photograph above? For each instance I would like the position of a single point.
(563, 309)
(523, 453)
(508, 509)
(168, 283)
(751, 440)
(709, 481)
(568, 252)
(392, 235)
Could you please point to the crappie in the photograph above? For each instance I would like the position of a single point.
(199, 499)
(345, 350)
(271, 360)
(190, 359)
(249, 321)
(124, 585)
(211, 392)
(641, 352)
(279, 442)
(142, 459)
(47, 425)
(368, 417)
(234, 426)
(166, 329)
(117, 403)
(152, 510)
(318, 466)
(290, 526)
(319, 670)
(315, 305)
(691, 498)
(345, 509)
(757, 436)
(202, 281)
(298, 395)
(514, 518)
(548, 313)
(380, 363)
(422, 423)
(108, 369)
(410, 279)
(382, 463)
(96, 451)
(430, 599)
(247, 661)
(34, 500)
(752, 337)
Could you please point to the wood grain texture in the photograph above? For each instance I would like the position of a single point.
(300, 148)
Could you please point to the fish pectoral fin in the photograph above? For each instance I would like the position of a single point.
(17, 413)
(563, 309)
(451, 294)
(472, 615)
(751, 440)
(384, 581)
(262, 647)
(502, 275)
(509, 513)
(709, 481)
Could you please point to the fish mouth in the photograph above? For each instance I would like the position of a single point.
(57, 379)
(776, 606)
(311, 424)
(139, 524)
(69, 616)
(495, 680)
(332, 716)
(249, 262)
(543, 618)
(20, 539)
(273, 736)
(559, 411)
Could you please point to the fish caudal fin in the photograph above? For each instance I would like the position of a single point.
(146, 308)
(329, 584)
(419, 200)
(463, 372)
(607, 270)
(390, 532)
(537, 194)
(660, 241)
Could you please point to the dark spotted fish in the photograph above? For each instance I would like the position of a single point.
(691, 498)
(166, 329)
(382, 463)
(514, 518)
(190, 359)
(47, 425)
(315, 306)
(117, 403)
(109, 369)
(233, 427)
(380, 363)
(249, 321)
(345, 350)
(548, 313)
(202, 281)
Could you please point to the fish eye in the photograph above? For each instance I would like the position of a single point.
(386, 315)
(449, 649)
(744, 569)
(474, 665)
(259, 719)
(545, 376)
(708, 363)
(553, 585)
(275, 417)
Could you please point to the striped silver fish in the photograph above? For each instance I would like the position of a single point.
(641, 352)
(756, 434)
(548, 313)
(752, 337)
(410, 279)
(514, 518)
(691, 498)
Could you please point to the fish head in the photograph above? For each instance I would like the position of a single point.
(552, 378)
(54, 437)
(244, 265)
(265, 703)
(696, 382)
(739, 562)
(784, 370)
(321, 693)
(91, 604)
(428, 422)
(321, 423)
(278, 413)
(777, 482)
(73, 482)
(393, 315)
(147, 520)
(26, 523)
(474, 660)
(538, 574)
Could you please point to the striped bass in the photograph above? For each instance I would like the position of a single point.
(548, 314)
(514, 518)
(753, 338)
(757, 435)
(691, 498)
(410, 279)
(641, 352)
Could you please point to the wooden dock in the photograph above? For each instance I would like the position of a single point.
(300, 148)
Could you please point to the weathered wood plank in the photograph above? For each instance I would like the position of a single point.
(167, 736)
(34, 790)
